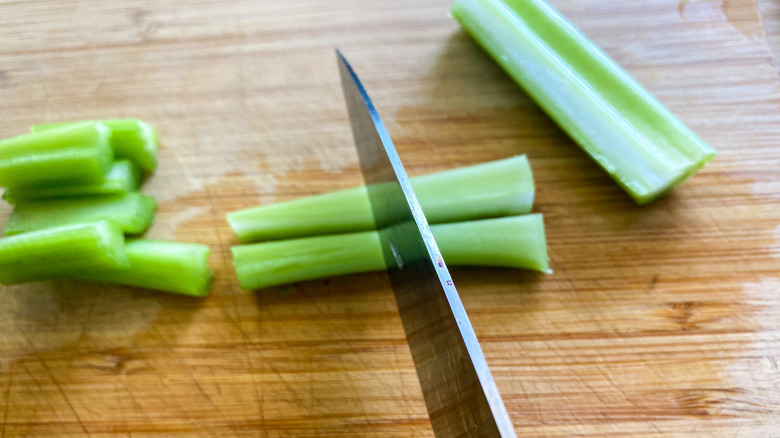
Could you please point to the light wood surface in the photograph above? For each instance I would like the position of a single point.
(770, 12)
(658, 321)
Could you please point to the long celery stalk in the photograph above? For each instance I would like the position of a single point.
(512, 241)
(132, 139)
(122, 177)
(78, 153)
(62, 251)
(133, 212)
(497, 188)
(642, 145)
(176, 267)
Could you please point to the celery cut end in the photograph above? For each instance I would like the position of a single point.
(643, 196)
(132, 139)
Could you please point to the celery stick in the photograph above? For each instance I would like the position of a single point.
(176, 267)
(133, 212)
(260, 265)
(133, 139)
(643, 146)
(496, 188)
(122, 177)
(513, 241)
(77, 154)
(62, 251)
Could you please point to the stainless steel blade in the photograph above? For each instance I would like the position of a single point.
(459, 390)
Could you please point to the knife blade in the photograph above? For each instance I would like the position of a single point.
(459, 391)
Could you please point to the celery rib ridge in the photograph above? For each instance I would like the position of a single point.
(630, 134)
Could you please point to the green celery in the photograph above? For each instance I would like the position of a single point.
(512, 241)
(176, 267)
(496, 188)
(122, 177)
(79, 153)
(132, 139)
(62, 251)
(133, 212)
(642, 145)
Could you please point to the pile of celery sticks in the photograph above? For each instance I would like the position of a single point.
(479, 216)
(74, 187)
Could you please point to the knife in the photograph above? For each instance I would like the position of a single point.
(459, 391)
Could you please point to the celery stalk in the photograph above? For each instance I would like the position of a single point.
(133, 212)
(77, 154)
(122, 177)
(642, 145)
(176, 267)
(496, 188)
(512, 241)
(132, 139)
(61, 251)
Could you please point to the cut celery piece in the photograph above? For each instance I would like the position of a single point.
(62, 251)
(496, 188)
(133, 212)
(642, 145)
(176, 267)
(122, 177)
(132, 139)
(79, 153)
(513, 241)
(265, 264)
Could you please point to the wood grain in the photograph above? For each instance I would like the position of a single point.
(770, 11)
(658, 321)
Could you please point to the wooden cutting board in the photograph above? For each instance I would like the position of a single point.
(661, 320)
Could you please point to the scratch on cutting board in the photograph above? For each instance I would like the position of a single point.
(3, 77)
(693, 315)
(112, 361)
